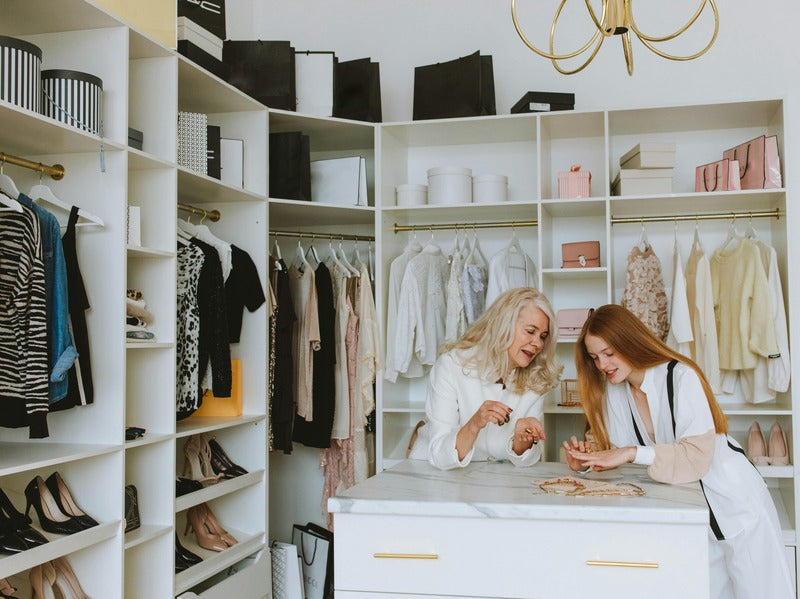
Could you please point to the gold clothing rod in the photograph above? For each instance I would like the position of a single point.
(313, 235)
(56, 171)
(466, 226)
(209, 214)
(618, 220)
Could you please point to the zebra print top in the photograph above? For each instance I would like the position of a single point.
(23, 324)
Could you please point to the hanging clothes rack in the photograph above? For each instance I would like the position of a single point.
(619, 220)
(467, 226)
(209, 214)
(56, 171)
(313, 235)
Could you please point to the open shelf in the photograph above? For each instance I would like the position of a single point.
(145, 533)
(26, 456)
(143, 252)
(195, 188)
(224, 487)
(194, 425)
(297, 213)
(325, 133)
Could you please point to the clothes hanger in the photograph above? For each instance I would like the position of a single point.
(413, 243)
(43, 193)
(696, 242)
(345, 262)
(7, 185)
(644, 243)
(276, 251)
(358, 262)
(476, 256)
(313, 251)
(334, 259)
(11, 205)
(300, 256)
(515, 249)
(733, 234)
(183, 237)
(750, 232)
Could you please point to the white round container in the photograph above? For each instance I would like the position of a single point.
(489, 189)
(449, 185)
(411, 194)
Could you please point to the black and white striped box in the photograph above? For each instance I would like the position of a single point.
(20, 73)
(73, 98)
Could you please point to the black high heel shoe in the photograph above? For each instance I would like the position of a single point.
(221, 463)
(60, 492)
(20, 523)
(51, 519)
(183, 557)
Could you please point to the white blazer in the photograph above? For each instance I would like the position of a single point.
(454, 395)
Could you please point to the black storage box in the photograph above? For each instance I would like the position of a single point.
(463, 87)
(289, 166)
(209, 14)
(203, 59)
(357, 90)
(212, 150)
(264, 70)
(544, 102)
(135, 138)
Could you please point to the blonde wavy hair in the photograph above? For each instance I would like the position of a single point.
(492, 335)
(627, 336)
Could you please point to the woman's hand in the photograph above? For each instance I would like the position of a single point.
(490, 411)
(527, 431)
(581, 447)
(603, 460)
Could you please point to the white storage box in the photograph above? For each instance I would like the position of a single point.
(313, 72)
(73, 98)
(20, 73)
(340, 181)
(649, 155)
(202, 38)
(411, 194)
(489, 189)
(449, 185)
(231, 161)
(642, 181)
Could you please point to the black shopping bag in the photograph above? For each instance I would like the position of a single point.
(315, 548)
(209, 14)
(289, 166)
(459, 88)
(262, 69)
(357, 92)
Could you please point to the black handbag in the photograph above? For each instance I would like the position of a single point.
(462, 87)
(289, 166)
(357, 90)
(264, 70)
(209, 14)
(132, 521)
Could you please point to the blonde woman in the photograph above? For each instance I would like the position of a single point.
(650, 405)
(485, 392)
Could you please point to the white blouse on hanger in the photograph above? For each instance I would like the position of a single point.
(680, 334)
(700, 297)
(455, 319)
(509, 269)
(341, 394)
(397, 271)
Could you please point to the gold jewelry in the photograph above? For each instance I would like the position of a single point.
(574, 488)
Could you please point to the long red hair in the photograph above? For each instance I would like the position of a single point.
(628, 337)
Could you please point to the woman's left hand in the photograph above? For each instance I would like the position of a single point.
(603, 460)
(527, 431)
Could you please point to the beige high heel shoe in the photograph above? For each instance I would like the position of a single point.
(42, 578)
(778, 452)
(215, 527)
(66, 581)
(197, 461)
(756, 447)
(195, 520)
(6, 590)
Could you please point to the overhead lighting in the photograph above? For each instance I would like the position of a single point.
(616, 19)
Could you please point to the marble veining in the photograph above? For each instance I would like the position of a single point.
(501, 490)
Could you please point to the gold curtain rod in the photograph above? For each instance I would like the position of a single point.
(209, 214)
(313, 235)
(618, 220)
(466, 226)
(56, 171)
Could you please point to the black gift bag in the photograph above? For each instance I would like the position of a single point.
(357, 90)
(459, 88)
(264, 70)
(315, 548)
(289, 166)
(209, 14)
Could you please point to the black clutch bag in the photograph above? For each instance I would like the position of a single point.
(132, 521)
(357, 90)
(462, 87)
(289, 166)
(264, 70)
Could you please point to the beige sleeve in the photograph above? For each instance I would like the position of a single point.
(686, 461)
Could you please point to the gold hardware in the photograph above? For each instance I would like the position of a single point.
(616, 220)
(595, 562)
(323, 235)
(406, 555)
(473, 226)
(209, 214)
(56, 171)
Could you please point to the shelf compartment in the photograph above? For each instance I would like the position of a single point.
(296, 213)
(213, 561)
(417, 410)
(566, 208)
(784, 518)
(26, 456)
(145, 533)
(147, 253)
(184, 502)
(194, 188)
(599, 272)
(58, 546)
(147, 439)
(194, 426)
(201, 91)
(776, 471)
(39, 16)
(749, 200)
(142, 161)
(754, 409)
(150, 345)
(459, 213)
(325, 133)
(463, 131)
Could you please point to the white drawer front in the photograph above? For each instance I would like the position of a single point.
(518, 558)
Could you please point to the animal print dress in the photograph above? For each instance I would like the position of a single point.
(187, 334)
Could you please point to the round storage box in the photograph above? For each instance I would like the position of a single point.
(411, 194)
(20, 73)
(489, 189)
(449, 185)
(73, 98)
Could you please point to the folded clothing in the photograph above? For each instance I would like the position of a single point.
(135, 321)
(139, 336)
(135, 327)
(134, 294)
(137, 308)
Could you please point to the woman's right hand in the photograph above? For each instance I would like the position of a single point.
(490, 411)
(581, 446)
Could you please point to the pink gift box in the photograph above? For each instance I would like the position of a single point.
(575, 183)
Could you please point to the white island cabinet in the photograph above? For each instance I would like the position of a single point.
(488, 531)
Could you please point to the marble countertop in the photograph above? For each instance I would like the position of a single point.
(501, 490)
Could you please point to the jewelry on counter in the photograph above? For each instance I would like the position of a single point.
(589, 488)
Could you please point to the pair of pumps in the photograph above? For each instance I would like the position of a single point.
(771, 452)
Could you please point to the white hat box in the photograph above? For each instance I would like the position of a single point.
(449, 185)
(411, 194)
(489, 189)
(20, 73)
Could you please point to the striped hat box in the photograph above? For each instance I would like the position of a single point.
(73, 98)
(20, 73)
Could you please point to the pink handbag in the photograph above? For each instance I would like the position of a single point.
(759, 163)
(580, 254)
(570, 322)
(575, 183)
(722, 175)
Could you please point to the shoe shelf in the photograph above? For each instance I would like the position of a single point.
(58, 546)
(145, 533)
(143, 252)
(776, 471)
(224, 487)
(147, 439)
(247, 581)
(149, 345)
(22, 457)
(755, 409)
(215, 561)
(193, 425)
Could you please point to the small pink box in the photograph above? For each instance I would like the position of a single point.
(575, 183)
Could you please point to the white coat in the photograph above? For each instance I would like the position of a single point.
(454, 395)
(749, 561)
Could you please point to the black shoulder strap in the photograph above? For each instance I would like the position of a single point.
(636, 430)
(670, 392)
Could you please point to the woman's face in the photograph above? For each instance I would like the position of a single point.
(607, 360)
(530, 332)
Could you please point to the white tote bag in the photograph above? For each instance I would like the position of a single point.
(287, 582)
(313, 550)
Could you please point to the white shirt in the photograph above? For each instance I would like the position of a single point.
(454, 395)
(700, 297)
(508, 269)
(395, 346)
(455, 318)
(680, 319)
(341, 394)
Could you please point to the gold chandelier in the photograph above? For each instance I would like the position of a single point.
(616, 19)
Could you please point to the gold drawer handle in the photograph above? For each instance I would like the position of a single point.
(595, 562)
(406, 555)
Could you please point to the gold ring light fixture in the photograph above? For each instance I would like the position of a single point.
(616, 19)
